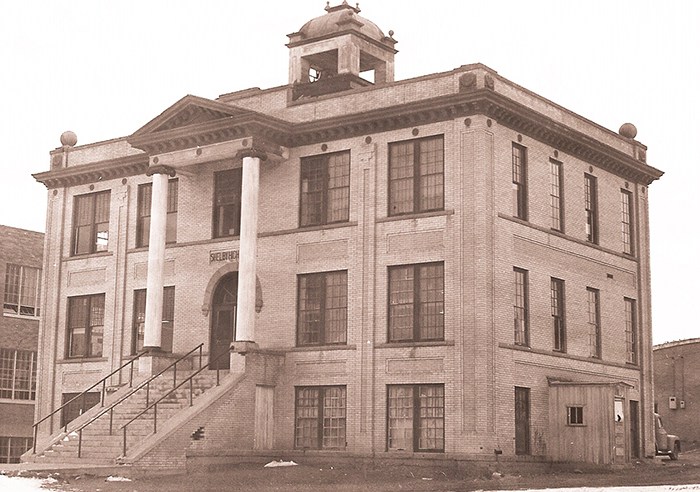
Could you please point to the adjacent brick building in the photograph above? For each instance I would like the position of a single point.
(403, 267)
(20, 264)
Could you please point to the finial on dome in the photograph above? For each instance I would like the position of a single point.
(69, 139)
(328, 6)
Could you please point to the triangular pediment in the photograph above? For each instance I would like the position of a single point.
(190, 111)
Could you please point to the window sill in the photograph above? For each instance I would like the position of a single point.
(335, 225)
(22, 316)
(419, 215)
(594, 360)
(17, 402)
(318, 348)
(89, 255)
(75, 360)
(436, 343)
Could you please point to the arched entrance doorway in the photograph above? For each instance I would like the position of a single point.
(223, 319)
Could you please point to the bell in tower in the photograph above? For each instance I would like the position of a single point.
(339, 51)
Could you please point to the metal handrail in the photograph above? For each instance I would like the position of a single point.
(102, 381)
(145, 384)
(154, 405)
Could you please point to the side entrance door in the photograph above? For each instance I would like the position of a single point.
(522, 420)
(223, 324)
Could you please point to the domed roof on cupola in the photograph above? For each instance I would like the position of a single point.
(340, 18)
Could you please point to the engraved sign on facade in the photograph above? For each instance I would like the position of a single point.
(231, 255)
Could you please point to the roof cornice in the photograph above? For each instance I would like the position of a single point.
(89, 173)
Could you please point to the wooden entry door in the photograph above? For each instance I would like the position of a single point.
(223, 320)
(264, 398)
(634, 429)
(522, 420)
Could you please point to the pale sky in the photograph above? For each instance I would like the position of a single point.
(105, 68)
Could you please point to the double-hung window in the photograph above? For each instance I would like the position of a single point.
(591, 195)
(627, 242)
(17, 374)
(22, 290)
(322, 311)
(416, 302)
(557, 293)
(143, 224)
(12, 448)
(91, 223)
(594, 322)
(631, 330)
(520, 307)
(519, 161)
(416, 418)
(325, 189)
(86, 325)
(140, 319)
(416, 176)
(227, 202)
(556, 197)
(320, 413)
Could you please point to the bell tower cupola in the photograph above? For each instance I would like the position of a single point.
(339, 51)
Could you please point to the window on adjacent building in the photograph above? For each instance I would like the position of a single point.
(320, 417)
(558, 314)
(227, 202)
(12, 448)
(86, 325)
(520, 307)
(416, 418)
(416, 302)
(556, 197)
(323, 303)
(140, 319)
(591, 191)
(17, 374)
(627, 243)
(143, 225)
(594, 321)
(91, 223)
(519, 181)
(325, 189)
(631, 330)
(574, 415)
(416, 176)
(22, 290)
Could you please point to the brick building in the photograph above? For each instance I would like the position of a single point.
(21, 254)
(396, 267)
(677, 388)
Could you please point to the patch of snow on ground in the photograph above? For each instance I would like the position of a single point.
(21, 484)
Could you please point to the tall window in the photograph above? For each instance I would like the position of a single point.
(140, 319)
(320, 417)
(323, 303)
(17, 374)
(22, 290)
(86, 325)
(325, 189)
(627, 243)
(631, 330)
(12, 448)
(558, 315)
(227, 202)
(416, 176)
(594, 321)
(591, 190)
(91, 223)
(416, 418)
(520, 316)
(519, 181)
(555, 196)
(416, 302)
(143, 225)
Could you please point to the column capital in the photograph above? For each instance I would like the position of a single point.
(252, 152)
(160, 169)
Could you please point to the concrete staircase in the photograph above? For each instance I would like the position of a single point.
(97, 446)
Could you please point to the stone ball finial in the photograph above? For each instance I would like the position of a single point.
(628, 130)
(69, 139)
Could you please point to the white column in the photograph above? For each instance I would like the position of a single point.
(156, 262)
(245, 318)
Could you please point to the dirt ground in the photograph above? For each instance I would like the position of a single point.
(380, 477)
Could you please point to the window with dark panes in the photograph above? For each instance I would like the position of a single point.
(325, 189)
(416, 176)
(323, 302)
(520, 307)
(416, 302)
(12, 448)
(594, 321)
(574, 415)
(631, 330)
(519, 161)
(91, 223)
(556, 200)
(557, 293)
(22, 290)
(17, 374)
(140, 319)
(143, 225)
(591, 192)
(416, 418)
(627, 242)
(86, 325)
(227, 202)
(320, 417)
